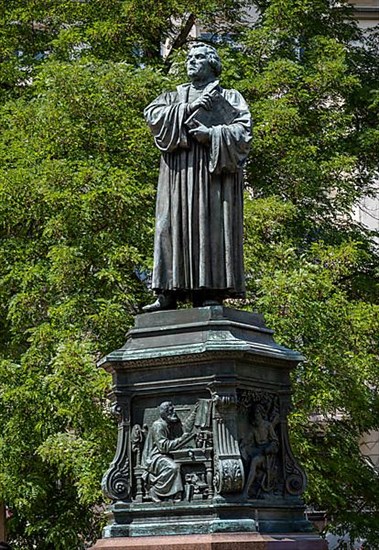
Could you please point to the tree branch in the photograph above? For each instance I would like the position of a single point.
(180, 40)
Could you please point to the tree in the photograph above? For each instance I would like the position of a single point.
(77, 176)
(311, 78)
(127, 30)
(76, 215)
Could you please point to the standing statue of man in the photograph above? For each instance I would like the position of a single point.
(203, 133)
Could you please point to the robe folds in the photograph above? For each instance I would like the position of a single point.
(162, 473)
(199, 210)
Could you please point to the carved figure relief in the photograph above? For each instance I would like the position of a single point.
(271, 468)
(262, 453)
(260, 444)
(172, 459)
(233, 443)
(162, 474)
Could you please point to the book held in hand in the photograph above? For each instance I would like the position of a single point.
(221, 112)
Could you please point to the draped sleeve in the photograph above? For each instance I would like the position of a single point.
(161, 439)
(230, 144)
(165, 117)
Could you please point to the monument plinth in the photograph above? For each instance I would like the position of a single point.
(202, 397)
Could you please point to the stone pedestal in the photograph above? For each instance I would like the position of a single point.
(225, 467)
(235, 541)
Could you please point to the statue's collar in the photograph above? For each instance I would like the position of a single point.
(183, 89)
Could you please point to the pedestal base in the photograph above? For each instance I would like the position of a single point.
(202, 397)
(208, 517)
(218, 541)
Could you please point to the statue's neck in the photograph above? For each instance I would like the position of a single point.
(201, 84)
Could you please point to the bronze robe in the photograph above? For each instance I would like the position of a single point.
(162, 472)
(199, 210)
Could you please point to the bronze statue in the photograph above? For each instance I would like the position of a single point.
(203, 132)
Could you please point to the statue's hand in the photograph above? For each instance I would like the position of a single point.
(201, 133)
(205, 101)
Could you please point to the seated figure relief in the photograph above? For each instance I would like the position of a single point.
(162, 475)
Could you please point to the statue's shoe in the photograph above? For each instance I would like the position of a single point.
(153, 496)
(162, 303)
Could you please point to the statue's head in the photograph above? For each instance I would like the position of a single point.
(260, 412)
(203, 62)
(167, 412)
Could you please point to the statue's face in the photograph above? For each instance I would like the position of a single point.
(259, 415)
(169, 414)
(198, 67)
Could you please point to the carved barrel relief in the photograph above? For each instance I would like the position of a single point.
(270, 466)
(229, 472)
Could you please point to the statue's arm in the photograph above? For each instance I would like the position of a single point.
(163, 443)
(230, 143)
(165, 117)
(272, 433)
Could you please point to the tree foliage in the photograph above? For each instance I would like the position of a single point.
(77, 176)
(76, 210)
(311, 78)
(123, 30)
